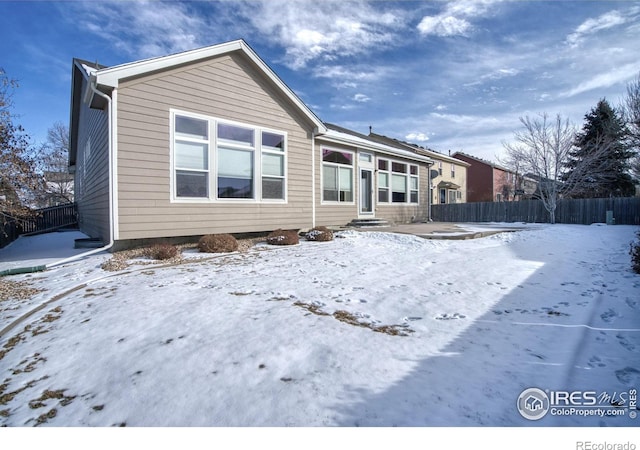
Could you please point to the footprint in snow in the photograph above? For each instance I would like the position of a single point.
(453, 316)
(609, 315)
(629, 376)
(625, 343)
(596, 361)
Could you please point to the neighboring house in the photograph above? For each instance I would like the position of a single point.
(489, 182)
(213, 141)
(448, 174)
(59, 188)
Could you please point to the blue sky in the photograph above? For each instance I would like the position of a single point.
(447, 75)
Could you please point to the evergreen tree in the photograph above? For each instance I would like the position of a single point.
(602, 152)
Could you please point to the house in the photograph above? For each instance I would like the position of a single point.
(448, 182)
(213, 141)
(489, 182)
(58, 188)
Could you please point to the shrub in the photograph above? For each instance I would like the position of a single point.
(217, 243)
(319, 234)
(283, 237)
(163, 251)
(635, 254)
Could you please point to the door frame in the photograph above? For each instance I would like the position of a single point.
(366, 164)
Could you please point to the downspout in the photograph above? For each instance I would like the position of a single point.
(42, 268)
(110, 122)
(313, 178)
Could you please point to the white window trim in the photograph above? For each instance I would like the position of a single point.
(353, 182)
(407, 176)
(212, 160)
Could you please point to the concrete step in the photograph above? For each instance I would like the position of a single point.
(369, 223)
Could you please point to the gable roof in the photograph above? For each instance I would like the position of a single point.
(110, 77)
(482, 161)
(415, 148)
(341, 135)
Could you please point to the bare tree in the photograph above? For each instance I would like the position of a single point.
(18, 178)
(542, 149)
(53, 163)
(631, 111)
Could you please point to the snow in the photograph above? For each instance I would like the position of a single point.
(40, 249)
(371, 329)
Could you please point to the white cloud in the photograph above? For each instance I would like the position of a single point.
(591, 26)
(441, 107)
(443, 26)
(324, 30)
(455, 18)
(144, 29)
(362, 98)
(604, 80)
(419, 137)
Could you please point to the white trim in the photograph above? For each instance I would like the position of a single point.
(353, 173)
(313, 179)
(112, 76)
(114, 149)
(407, 175)
(212, 158)
(336, 137)
(373, 190)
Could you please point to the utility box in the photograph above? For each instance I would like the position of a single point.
(610, 219)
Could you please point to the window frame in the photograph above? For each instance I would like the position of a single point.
(408, 175)
(337, 166)
(214, 144)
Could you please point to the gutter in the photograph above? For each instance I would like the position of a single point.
(42, 268)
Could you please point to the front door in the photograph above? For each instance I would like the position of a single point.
(366, 192)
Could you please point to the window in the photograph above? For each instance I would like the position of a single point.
(400, 184)
(246, 162)
(337, 176)
(443, 196)
(453, 170)
(383, 181)
(236, 154)
(414, 184)
(191, 157)
(273, 178)
(439, 167)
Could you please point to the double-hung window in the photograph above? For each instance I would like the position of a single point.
(215, 159)
(236, 155)
(337, 176)
(191, 157)
(397, 182)
(273, 178)
(414, 184)
(383, 181)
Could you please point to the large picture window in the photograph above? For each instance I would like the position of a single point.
(245, 162)
(397, 182)
(337, 176)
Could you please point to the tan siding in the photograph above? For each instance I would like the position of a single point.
(92, 172)
(341, 214)
(227, 87)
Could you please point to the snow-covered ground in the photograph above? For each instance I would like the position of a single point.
(371, 329)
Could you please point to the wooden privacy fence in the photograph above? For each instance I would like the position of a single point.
(37, 221)
(626, 211)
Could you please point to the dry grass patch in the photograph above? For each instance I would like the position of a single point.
(349, 318)
(18, 290)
